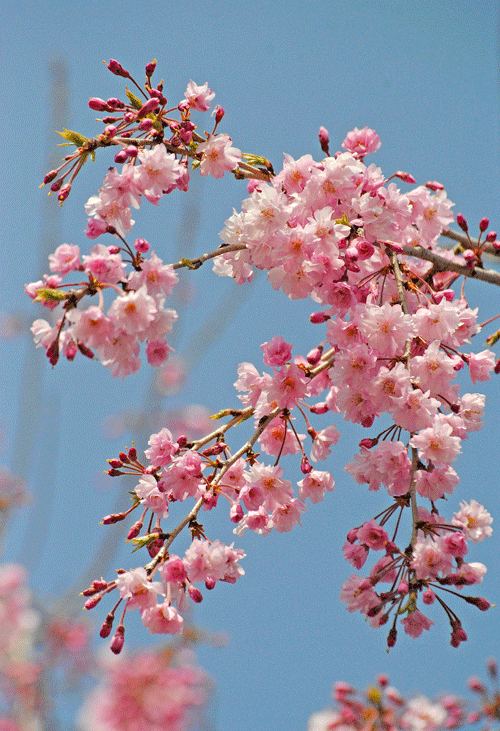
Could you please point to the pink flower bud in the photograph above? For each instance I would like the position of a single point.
(491, 236)
(483, 224)
(352, 536)
(320, 408)
(475, 685)
(113, 518)
(121, 157)
(150, 68)
(134, 530)
(318, 317)
(210, 582)
(428, 597)
(482, 604)
(64, 193)
(405, 177)
(50, 176)
(53, 352)
(462, 222)
(305, 466)
(141, 245)
(117, 69)
(148, 108)
(219, 113)
(57, 185)
(215, 449)
(396, 248)
(433, 185)
(98, 105)
(85, 351)
(392, 637)
(235, 513)
(195, 594)
(107, 626)
(114, 103)
(118, 640)
(92, 602)
(115, 473)
(324, 140)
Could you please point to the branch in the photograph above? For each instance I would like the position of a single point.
(441, 264)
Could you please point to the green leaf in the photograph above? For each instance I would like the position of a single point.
(48, 294)
(255, 159)
(344, 220)
(75, 138)
(133, 99)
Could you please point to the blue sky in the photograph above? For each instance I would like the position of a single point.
(425, 76)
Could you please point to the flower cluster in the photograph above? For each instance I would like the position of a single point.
(394, 337)
(137, 313)
(383, 708)
(158, 690)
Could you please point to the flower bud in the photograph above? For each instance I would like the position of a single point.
(118, 640)
(135, 530)
(147, 108)
(405, 177)
(64, 193)
(324, 140)
(195, 594)
(235, 513)
(433, 185)
(107, 626)
(319, 408)
(117, 69)
(146, 125)
(483, 224)
(121, 157)
(462, 223)
(50, 176)
(113, 518)
(98, 105)
(219, 113)
(319, 317)
(150, 68)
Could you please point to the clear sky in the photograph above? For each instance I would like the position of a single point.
(425, 77)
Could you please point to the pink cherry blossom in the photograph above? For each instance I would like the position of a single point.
(199, 97)
(218, 157)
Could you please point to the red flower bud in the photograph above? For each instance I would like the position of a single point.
(117, 69)
(118, 640)
(462, 222)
